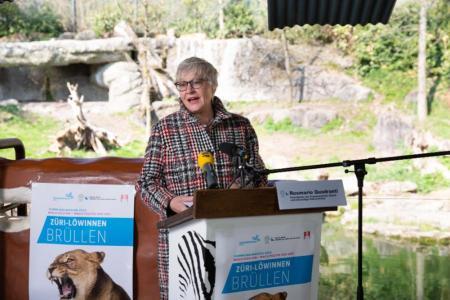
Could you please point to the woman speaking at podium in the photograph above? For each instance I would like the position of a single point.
(170, 173)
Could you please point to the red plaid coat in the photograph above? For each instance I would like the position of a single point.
(170, 165)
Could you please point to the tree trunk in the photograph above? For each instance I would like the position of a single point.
(287, 65)
(74, 15)
(422, 109)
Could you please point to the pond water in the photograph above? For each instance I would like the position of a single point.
(391, 269)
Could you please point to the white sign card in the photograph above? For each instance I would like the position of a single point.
(294, 194)
(80, 233)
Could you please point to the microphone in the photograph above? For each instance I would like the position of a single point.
(231, 149)
(242, 169)
(205, 161)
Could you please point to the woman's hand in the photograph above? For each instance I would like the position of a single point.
(181, 203)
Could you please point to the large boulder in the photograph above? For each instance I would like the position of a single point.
(392, 131)
(313, 117)
(64, 52)
(310, 116)
(124, 83)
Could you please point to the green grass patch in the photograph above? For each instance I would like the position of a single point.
(237, 105)
(438, 121)
(134, 149)
(36, 133)
(286, 126)
(332, 125)
(394, 85)
(445, 160)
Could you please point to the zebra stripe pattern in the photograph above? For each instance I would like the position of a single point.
(198, 271)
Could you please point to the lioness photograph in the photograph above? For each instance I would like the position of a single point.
(78, 275)
(267, 296)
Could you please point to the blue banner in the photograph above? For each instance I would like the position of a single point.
(87, 231)
(268, 273)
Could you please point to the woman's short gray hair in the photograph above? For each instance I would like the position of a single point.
(200, 67)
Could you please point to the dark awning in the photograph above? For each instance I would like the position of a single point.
(289, 13)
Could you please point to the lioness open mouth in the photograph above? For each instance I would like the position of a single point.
(66, 287)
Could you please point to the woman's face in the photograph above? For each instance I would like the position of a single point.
(196, 100)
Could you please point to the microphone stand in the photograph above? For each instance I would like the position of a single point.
(359, 168)
(240, 168)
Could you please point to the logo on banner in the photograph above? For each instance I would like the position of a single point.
(253, 240)
(306, 235)
(67, 196)
(279, 238)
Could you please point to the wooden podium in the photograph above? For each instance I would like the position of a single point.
(237, 244)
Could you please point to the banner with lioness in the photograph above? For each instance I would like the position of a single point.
(81, 241)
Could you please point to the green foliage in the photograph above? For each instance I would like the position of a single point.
(43, 20)
(437, 283)
(151, 20)
(438, 50)
(394, 85)
(387, 277)
(10, 109)
(148, 21)
(107, 19)
(197, 16)
(29, 21)
(321, 34)
(393, 47)
(11, 19)
(239, 20)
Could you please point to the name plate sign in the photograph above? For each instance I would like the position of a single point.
(293, 194)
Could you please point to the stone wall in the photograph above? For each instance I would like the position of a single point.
(250, 69)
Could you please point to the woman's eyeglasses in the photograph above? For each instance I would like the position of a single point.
(183, 85)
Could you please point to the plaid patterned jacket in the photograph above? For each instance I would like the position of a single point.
(170, 165)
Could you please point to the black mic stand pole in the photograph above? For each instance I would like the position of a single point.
(359, 168)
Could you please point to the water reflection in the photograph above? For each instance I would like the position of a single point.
(391, 269)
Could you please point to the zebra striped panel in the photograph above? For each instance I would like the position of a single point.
(197, 267)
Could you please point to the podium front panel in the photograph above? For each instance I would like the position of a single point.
(246, 258)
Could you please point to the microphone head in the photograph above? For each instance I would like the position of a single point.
(204, 158)
(228, 148)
